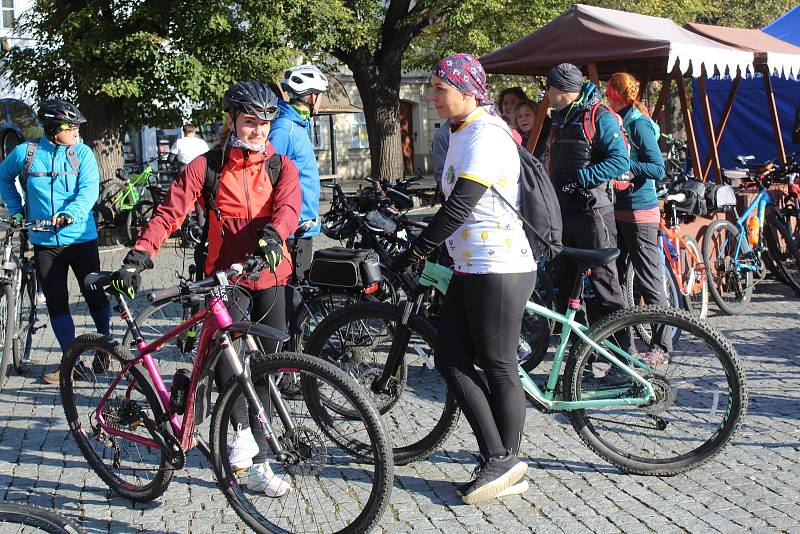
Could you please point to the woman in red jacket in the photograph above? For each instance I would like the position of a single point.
(248, 215)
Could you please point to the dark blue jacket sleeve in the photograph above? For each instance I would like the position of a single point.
(615, 160)
(643, 139)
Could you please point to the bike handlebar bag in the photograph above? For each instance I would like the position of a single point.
(345, 268)
(696, 190)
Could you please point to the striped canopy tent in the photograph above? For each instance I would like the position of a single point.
(603, 41)
(767, 102)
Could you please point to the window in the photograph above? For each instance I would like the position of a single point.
(359, 130)
(7, 8)
(318, 133)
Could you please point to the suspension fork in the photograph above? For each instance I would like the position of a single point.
(402, 336)
(242, 371)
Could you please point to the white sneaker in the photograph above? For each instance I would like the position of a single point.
(261, 478)
(242, 450)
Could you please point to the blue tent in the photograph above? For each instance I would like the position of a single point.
(749, 128)
(786, 28)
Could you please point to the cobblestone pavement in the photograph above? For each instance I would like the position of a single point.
(753, 486)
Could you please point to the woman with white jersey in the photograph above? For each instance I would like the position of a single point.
(495, 272)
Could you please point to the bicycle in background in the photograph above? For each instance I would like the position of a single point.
(735, 254)
(18, 288)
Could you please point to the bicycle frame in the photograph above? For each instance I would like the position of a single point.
(760, 204)
(216, 320)
(216, 317)
(129, 196)
(672, 243)
(438, 277)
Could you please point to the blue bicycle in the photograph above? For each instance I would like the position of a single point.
(735, 254)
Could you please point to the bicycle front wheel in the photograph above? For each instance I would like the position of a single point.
(7, 330)
(26, 318)
(332, 490)
(27, 519)
(700, 395)
(419, 412)
(730, 286)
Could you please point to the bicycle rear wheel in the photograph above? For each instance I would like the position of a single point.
(420, 412)
(700, 395)
(730, 287)
(27, 519)
(134, 471)
(332, 489)
(693, 277)
(136, 218)
(26, 317)
(7, 330)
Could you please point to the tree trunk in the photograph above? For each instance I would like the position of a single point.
(104, 133)
(380, 95)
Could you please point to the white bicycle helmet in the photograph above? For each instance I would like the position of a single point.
(302, 80)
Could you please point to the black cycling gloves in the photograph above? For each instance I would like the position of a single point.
(126, 280)
(270, 247)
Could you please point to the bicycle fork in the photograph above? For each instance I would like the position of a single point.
(386, 383)
(241, 368)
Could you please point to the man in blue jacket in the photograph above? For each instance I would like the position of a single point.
(291, 136)
(60, 181)
(588, 151)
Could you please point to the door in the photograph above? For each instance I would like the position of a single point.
(407, 136)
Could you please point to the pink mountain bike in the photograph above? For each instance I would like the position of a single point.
(134, 430)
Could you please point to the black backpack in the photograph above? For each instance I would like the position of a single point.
(210, 190)
(540, 210)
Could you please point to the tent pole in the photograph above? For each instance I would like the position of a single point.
(773, 110)
(538, 122)
(691, 139)
(712, 138)
(723, 120)
(662, 97)
(593, 74)
(645, 82)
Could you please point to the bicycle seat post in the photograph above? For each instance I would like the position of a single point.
(576, 295)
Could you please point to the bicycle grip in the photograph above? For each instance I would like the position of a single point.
(163, 294)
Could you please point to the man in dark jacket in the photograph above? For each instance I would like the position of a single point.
(582, 169)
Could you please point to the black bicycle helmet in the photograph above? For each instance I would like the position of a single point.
(58, 112)
(251, 97)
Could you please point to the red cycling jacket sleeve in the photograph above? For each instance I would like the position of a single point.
(169, 215)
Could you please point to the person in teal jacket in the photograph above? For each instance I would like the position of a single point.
(61, 185)
(291, 136)
(636, 209)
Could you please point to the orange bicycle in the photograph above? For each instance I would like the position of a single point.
(685, 280)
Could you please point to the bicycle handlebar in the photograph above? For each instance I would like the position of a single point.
(252, 266)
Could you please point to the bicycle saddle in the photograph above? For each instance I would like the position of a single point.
(591, 257)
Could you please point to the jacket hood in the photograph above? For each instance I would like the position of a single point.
(289, 112)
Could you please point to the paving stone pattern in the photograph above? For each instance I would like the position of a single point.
(754, 485)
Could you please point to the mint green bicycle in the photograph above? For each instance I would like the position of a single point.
(645, 408)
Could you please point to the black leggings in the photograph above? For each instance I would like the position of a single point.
(52, 266)
(480, 324)
(269, 308)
